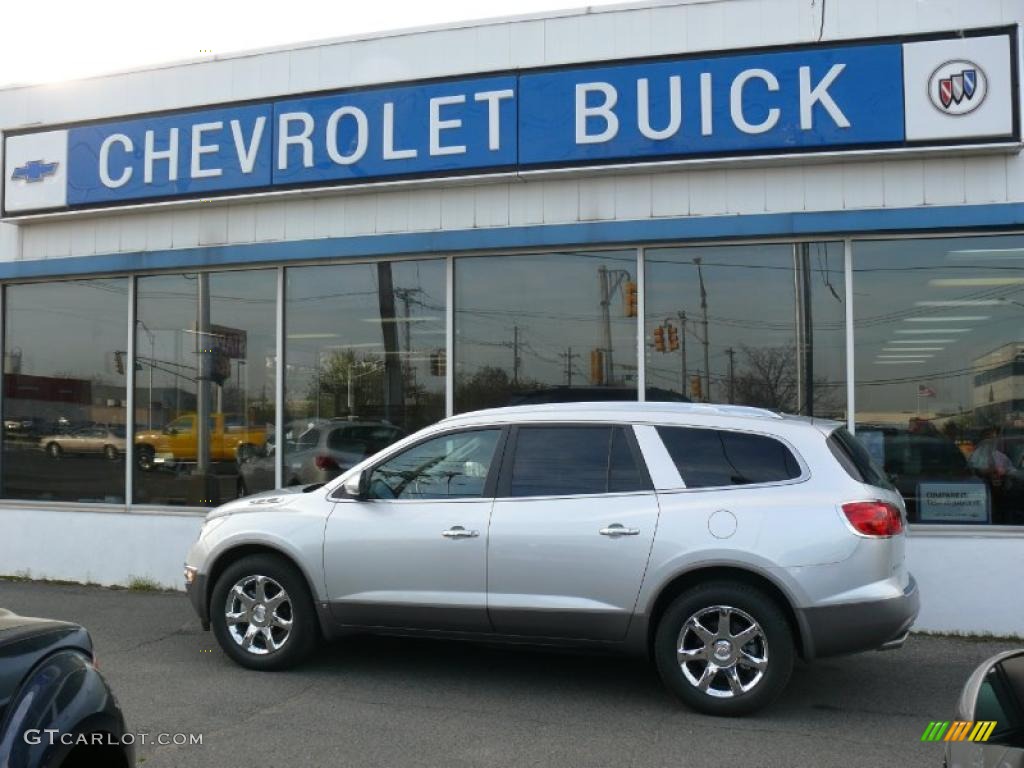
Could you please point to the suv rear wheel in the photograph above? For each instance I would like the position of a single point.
(262, 613)
(724, 648)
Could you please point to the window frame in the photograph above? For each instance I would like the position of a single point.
(804, 476)
(490, 482)
(504, 484)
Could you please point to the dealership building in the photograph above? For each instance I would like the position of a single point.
(232, 274)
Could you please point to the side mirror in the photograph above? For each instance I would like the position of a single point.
(170, 431)
(357, 486)
(994, 693)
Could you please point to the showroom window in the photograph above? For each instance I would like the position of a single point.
(545, 328)
(759, 325)
(939, 334)
(366, 360)
(64, 391)
(205, 343)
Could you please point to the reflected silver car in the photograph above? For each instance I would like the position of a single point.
(722, 541)
(98, 440)
(318, 455)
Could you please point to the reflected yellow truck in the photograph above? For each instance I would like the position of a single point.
(230, 440)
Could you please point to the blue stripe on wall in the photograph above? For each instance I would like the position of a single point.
(830, 223)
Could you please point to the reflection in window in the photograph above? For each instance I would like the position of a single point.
(759, 325)
(365, 353)
(204, 343)
(64, 391)
(545, 328)
(939, 329)
(450, 466)
(569, 461)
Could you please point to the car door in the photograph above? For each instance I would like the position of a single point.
(414, 554)
(571, 532)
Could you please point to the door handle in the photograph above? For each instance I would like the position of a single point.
(458, 532)
(616, 529)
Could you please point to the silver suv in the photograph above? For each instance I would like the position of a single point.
(723, 541)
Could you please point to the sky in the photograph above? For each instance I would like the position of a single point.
(55, 40)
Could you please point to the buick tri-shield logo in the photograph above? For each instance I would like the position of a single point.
(957, 87)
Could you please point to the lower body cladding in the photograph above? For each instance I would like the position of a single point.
(825, 630)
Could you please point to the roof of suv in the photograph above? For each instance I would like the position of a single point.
(702, 413)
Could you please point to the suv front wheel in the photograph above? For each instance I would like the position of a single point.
(724, 648)
(262, 613)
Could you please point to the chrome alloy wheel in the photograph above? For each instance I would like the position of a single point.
(258, 614)
(722, 651)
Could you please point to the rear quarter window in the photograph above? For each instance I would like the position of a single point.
(714, 458)
(855, 459)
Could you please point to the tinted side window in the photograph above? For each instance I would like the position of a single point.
(567, 461)
(708, 458)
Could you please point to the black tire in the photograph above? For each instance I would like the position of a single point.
(111, 453)
(54, 451)
(304, 631)
(145, 457)
(774, 644)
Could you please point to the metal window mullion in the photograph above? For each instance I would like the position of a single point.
(641, 306)
(850, 377)
(129, 443)
(3, 377)
(449, 336)
(279, 383)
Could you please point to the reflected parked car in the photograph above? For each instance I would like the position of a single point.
(230, 437)
(319, 454)
(914, 460)
(49, 685)
(108, 441)
(989, 727)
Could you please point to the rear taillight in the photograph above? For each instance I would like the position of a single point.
(874, 518)
(325, 462)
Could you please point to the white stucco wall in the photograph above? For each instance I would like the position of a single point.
(109, 548)
(969, 582)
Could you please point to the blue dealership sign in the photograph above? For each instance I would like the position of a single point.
(866, 96)
(792, 100)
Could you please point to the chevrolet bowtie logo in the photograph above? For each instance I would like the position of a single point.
(33, 171)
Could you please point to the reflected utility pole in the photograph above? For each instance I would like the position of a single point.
(707, 345)
(204, 354)
(569, 356)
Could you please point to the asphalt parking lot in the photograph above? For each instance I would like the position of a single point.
(391, 702)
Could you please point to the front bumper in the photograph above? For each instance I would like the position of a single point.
(197, 595)
(852, 627)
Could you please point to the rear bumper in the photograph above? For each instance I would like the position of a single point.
(851, 627)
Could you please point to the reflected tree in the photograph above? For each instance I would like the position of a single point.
(768, 379)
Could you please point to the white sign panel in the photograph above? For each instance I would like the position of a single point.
(953, 503)
(35, 171)
(958, 89)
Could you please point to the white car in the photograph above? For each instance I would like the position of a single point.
(723, 541)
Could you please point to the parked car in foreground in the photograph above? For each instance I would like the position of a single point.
(319, 454)
(724, 541)
(988, 729)
(96, 439)
(49, 685)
